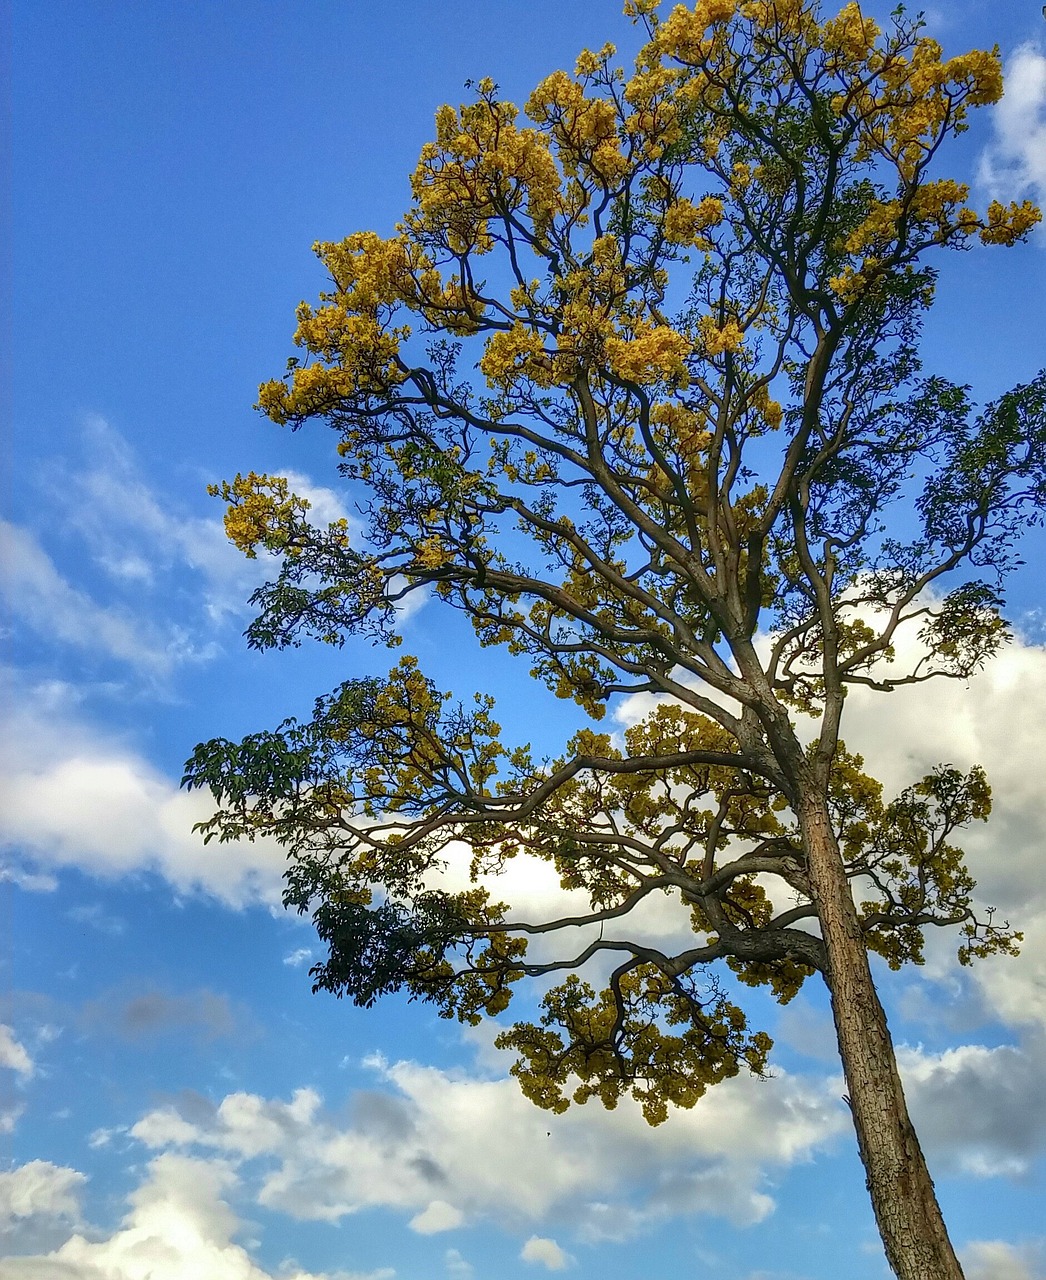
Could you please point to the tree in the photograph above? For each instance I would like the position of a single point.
(701, 462)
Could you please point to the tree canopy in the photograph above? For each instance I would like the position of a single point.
(635, 386)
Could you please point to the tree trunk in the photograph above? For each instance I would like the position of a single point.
(906, 1209)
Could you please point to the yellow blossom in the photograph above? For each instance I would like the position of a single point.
(654, 354)
(685, 221)
(849, 35)
(261, 511)
(718, 339)
(431, 554)
(1008, 225)
(513, 354)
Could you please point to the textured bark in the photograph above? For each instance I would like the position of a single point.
(906, 1209)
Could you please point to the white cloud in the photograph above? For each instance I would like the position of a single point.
(977, 1109)
(14, 1055)
(297, 957)
(40, 1188)
(37, 594)
(39, 1206)
(173, 575)
(997, 1260)
(438, 1216)
(415, 1145)
(179, 1227)
(546, 1252)
(987, 721)
(9, 1117)
(72, 797)
(1013, 165)
(137, 535)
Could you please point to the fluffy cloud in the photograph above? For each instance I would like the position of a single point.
(432, 1144)
(987, 722)
(546, 1252)
(438, 1216)
(69, 796)
(40, 1188)
(39, 1205)
(178, 1227)
(978, 1110)
(1014, 164)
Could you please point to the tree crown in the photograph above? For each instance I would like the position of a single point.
(693, 296)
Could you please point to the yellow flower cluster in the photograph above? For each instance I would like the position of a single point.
(593, 298)
(1008, 225)
(935, 200)
(741, 176)
(848, 284)
(588, 63)
(768, 409)
(687, 429)
(655, 353)
(718, 339)
(371, 272)
(786, 18)
(585, 129)
(923, 94)
(261, 511)
(879, 226)
(655, 92)
(479, 164)
(938, 205)
(513, 354)
(431, 553)
(685, 222)
(682, 35)
(313, 390)
(849, 36)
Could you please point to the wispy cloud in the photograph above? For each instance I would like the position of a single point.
(165, 583)
(38, 595)
(13, 1054)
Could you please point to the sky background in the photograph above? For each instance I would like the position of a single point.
(176, 1104)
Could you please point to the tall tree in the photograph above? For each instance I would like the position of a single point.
(700, 461)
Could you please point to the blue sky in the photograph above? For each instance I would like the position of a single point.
(174, 1097)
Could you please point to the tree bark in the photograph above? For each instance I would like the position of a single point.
(906, 1210)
